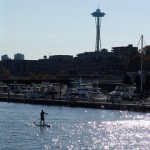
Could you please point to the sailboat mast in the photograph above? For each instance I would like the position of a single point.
(141, 63)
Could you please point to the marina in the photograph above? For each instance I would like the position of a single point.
(123, 97)
(59, 93)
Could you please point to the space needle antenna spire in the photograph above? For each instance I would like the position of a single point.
(98, 18)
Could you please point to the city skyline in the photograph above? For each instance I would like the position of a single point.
(39, 28)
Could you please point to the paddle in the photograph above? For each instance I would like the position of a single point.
(36, 121)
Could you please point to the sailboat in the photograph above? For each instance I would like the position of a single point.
(141, 69)
(127, 91)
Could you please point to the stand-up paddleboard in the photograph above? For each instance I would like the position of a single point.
(43, 125)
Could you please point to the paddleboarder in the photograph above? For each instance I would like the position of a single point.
(42, 117)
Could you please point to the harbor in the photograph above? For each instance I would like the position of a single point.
(98, 79)
(74, 75)
(77, 93)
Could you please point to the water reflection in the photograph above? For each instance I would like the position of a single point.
(73, 128)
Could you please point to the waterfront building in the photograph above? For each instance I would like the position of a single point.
(18, 56)
(125, 53)
(54, 65)
(5, 57)
(19, 67)
(84, 64)
(98, 63)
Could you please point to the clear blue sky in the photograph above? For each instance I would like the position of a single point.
(51, 27)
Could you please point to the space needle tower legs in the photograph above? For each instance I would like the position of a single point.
(98, 17)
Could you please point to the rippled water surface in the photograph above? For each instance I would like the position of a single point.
(72, 128)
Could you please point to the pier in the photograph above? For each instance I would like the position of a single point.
(84, 104)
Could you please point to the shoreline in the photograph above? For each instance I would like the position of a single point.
(82, 104)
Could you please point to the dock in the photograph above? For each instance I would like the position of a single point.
(84, 104)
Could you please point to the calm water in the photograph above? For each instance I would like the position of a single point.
(72, 128)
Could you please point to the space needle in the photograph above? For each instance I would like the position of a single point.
(98, 17)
